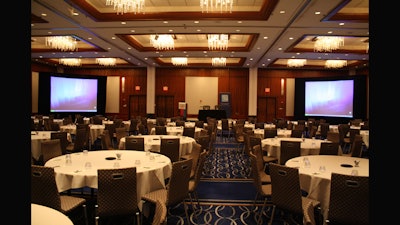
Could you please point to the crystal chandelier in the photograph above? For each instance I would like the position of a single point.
(218, 41)
(179, 61)
(335, 63)
(70, 62)
(106, 61)
(211, 5)
(296, 62)
(328, 43)
(124, 6)
(64, 43)
(219, 61)
(163, 41)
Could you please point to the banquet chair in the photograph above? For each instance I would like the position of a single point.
(44, 192)
(50, 149)
(120, 132)
(195, 179)
(312, 131)
(160, 130)
(356, 147)
(199, 123)
(204, 141)
(226, 130)
(118, 123)
(180, 123)
(296, 133)
(142, 129)
(281, 124)
(329, 148)
(170, 148)
(63, 136)
(287, 196)
(263, 190)
(133, 127)
(289, 149)
(265, 178)
(254, 141)
(348, 200)
(270, 132)
(117, 194)
(111, 130)
(189, 131)
(206, 107)
(194, 154)
(79, 142)
(105, 139)
(343, 131)
(134, 143)
(333, 136)
(323, 132)
(160, 214)
(239, 136)
(349, 140)
(177, 190)
(161, 121)
(259, 125)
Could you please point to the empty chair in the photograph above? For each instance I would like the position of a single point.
(329, 148)
(195, 154)
(257, 151)
(134, 143)
(189, 131)
(161, 121)
(170, 148)
(195, 178)
(356, 147)
(287, 195)
(111, 130)
(80, 141)
(349, 200)
(259, 125)
(333, 136)
(63, 136)
(180, 123)
(160, 130)
(289, 149)
(50, 149)
(178, 187)
(226, 131)
(105, 139)
(117, 193)
(199, 123)
(133, 127)
(204, 141)
(270, 132)
(44, 192)
(142, 129)
(296, 133)
(160, 213)
(323, 132)
(120, 132)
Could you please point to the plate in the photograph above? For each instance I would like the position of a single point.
(346, 165)
(110, 158)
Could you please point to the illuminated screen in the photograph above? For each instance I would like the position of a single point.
(329, 98)
(73, 94)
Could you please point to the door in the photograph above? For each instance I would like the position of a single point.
(165, 106)
(137, 105)
(266, 109)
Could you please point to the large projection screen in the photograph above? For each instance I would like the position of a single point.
(200, 91)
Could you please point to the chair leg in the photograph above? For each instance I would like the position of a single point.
(186, 212)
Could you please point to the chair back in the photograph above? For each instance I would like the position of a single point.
(133, 127)
(170, 148)
(324, 128)
(161, 130)
(111, 129)
(204, 141)
(296, 133)
(199, 123)
(178, 189)
(195, 154)
(356, 146)
(255, 173)
(329, 148)
(134, 143)
(50, 149)
(120, 132)
(289, 149)
(161, 121)
(225, 124)
(199, 168)
(189, 131)
(286, 192)
(160, 213)
(180, 123)
(349, 200)
(117, 192)
(106, 141)
(333, 136)
(253, 141)
(270, 132)
(81, 138)
(63, 136)
(44, 188)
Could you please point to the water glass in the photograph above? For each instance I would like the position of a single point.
(68, 159)
(118, 156)
(306, 162)
(322, 169)
(354, 172)
(85, 152)
(88, 165)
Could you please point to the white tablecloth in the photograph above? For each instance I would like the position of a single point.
(150, 173)
(178, 131)
(317, 183)
(280, 132)
(95, 130)
(308, 146)
(43, 215)
(153, 142)
(36, 140)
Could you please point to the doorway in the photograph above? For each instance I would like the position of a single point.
(165, 106)
(266, 109)
(137, 106)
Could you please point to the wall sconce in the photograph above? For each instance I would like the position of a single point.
(165, 88)
(282, 86)
(137, 88)
(123, 84)
(267, 90)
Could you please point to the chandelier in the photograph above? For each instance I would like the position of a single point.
(219, 61)
(218, 41)
(327, 43)
(70, 62)
(64, 43)
(335, 63)
(179, 61)
(106, 61)
(211, 5)
(124, 6)
(296, 62)
(163, 41)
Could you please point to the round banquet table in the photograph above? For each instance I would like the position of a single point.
(153, 142)
(36, 139)
(308, 146)
(151, 173)
(317, 183)
(280, 132)
(178, 131)
(95, 130)
(43, 215)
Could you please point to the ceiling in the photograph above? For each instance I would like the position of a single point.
(262, 33)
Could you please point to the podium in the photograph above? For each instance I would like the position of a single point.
(182, 106)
